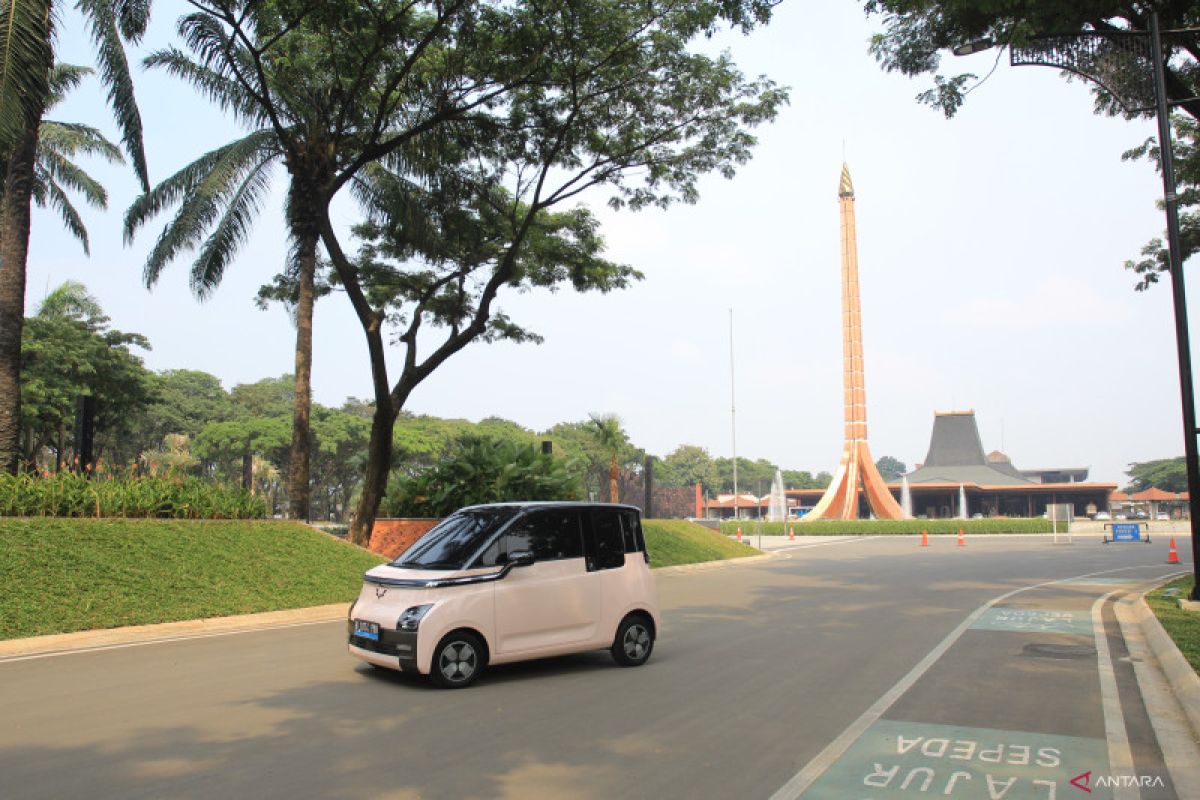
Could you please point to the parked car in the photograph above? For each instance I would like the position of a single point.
(1162, 516)
(510, 582)
(1101, 515)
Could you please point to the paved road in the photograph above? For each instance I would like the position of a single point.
(866, 668)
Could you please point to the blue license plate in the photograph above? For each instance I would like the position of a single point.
(366, 630)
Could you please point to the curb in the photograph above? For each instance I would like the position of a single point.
(1182, 679)
(59, 643)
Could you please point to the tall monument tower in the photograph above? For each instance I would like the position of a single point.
(840, 500)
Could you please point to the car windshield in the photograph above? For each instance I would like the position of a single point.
(455, 539)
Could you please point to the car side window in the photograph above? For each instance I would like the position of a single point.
(550, 535)
(607, 540)
(632, 528)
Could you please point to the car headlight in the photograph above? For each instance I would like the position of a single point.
(411, 618)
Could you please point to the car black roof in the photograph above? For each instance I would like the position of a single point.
(552, 504)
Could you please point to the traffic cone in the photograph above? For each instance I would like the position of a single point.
(924, 538)
(739, 534)
(1173, 556)
(961, 543)
(791, 534)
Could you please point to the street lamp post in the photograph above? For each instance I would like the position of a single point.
(1129, 65)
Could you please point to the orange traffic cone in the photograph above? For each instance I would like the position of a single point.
(739, 534)
(791, 534)
(1173, 556)
(961, 543)
(924, 538)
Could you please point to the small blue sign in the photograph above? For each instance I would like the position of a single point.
(1127, 532)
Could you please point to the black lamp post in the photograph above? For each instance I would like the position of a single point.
(1129, 65)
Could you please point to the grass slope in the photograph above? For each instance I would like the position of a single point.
(1183, 626)
(61, 575)
(673, 542)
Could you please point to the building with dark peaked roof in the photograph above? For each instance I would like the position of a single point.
(992, 485)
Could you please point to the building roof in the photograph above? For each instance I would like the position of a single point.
(1119, 496)
(956, 455)
(1154, 493)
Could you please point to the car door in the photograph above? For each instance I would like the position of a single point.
(548, 605)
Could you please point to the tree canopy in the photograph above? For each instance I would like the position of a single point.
(1168, 474)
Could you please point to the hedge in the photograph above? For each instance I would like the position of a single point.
(879, 527)
(68, 494)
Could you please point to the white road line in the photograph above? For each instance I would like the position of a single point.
(163, 640)
(1120, 759)
(805, 778)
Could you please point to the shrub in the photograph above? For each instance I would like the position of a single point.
(68, 494)
(880, 527)
(482, 470)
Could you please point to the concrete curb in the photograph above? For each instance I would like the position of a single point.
(167, 631)
(1183, 680)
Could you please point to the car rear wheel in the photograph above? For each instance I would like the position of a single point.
(634, 641)
(458, 660)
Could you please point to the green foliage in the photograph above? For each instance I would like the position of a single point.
(68, 350)
(673, 542)
(1182, 626)
(881, 527)
(68, 575)
(891, 469)
(1168, 474)
(482, 470)
(687, 465)
(69, 494)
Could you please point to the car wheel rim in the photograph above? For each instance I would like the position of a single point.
(457, 663)
(637, 641)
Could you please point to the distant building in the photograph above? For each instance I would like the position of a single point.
(991, 484)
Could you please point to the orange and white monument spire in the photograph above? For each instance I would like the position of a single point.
(840, 500)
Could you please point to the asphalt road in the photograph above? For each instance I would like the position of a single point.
(866, 668)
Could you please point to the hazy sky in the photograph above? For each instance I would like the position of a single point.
(990, 251)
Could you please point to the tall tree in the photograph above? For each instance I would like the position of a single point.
(917, 32)
(460, 99)
(892, 469)
(1168, 474)
(27, 30)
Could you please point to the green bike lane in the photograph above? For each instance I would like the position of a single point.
(1032, 697)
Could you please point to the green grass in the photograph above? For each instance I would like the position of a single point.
(61, 575)
(673, 542)
(878, 527)
(1183, 626)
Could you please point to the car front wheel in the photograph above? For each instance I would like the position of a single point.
(458, 660)
(634, 641)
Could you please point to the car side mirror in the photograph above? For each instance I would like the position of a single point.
(520, 558)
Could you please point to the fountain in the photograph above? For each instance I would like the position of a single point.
(905, 497)
(777, 500)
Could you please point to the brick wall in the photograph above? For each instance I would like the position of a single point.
(391, 537)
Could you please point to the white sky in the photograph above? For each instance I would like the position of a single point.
(990, 251)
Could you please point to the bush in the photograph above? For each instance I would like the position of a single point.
(482, 470)
(880, 527)
(68, 494)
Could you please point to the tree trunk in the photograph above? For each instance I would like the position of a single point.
(14, 249)
(298, 471)
(612, 481)
(379, 461)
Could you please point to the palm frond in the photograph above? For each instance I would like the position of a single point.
(114, 71)
(71, 139)
(205, 198)
(26, 30)
(185, 182)
(133, 16)
(58, 170)
(231, 231)
(57, 198)
(62, 79)
(226, 93)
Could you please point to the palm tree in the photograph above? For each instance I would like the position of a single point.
(612, 440)
(218, 197)
(26, 91)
